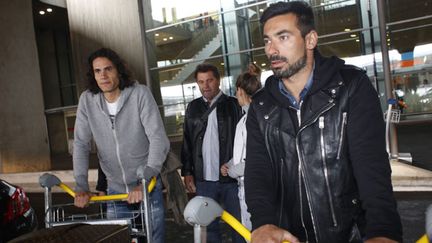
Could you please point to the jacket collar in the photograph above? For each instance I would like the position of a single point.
(325, 78)
(124, 96)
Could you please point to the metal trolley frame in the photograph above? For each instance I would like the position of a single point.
(138, 221)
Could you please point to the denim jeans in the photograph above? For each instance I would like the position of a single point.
(122, 209)
(227, 195)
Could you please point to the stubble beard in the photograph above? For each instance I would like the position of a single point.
(291, 70)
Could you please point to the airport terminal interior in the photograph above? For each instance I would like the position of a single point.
(45, 45)
(175, 36)
(228, 34)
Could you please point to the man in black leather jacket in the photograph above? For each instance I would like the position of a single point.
(208, 138)
(316, 165)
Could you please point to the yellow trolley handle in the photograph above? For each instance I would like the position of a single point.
(68, 190)
(239, 227)
(423, 239)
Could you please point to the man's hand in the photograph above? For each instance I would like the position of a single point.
(380, 240)
(136, 195)
(224, 169)
(82, 199)
(190, 184)
(271, 234)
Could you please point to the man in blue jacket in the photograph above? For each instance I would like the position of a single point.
(316, 165)
(123, 119)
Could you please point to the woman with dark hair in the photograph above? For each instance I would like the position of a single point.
(247, 85)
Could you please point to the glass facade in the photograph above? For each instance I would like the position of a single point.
(229, 35)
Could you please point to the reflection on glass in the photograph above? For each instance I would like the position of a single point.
(193, 25)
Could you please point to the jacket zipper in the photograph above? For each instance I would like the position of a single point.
(344, 117)
(118, 154)
(323, 157)
(301, 169)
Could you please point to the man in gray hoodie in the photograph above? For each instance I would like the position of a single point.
(123, 119)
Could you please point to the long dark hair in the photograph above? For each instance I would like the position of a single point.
(123, 71)
(304, 13)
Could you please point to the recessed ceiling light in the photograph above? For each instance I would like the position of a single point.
(165, 39)
(41, 12)
(261, 10)
(171, 37)
(353, 35)
(222, 63)
(347, 29)
(388, 40)
(49, 10)
(263, 64)
(357, 40)
(156, 34)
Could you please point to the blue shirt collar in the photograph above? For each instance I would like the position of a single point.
(303, 93)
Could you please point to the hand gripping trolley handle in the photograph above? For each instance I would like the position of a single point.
(139, 223)
(201, 211)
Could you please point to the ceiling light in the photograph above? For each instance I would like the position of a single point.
(171, 37)
(165, 39)
(353, 35)
(254, 62)
(41, 12)
(156, 34)
(261, 10)
(222, 63)
(49, 10)
(263, 64)
(347, 29)
(357, 40)
(388, 40)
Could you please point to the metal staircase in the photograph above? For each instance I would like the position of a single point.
(189, 68)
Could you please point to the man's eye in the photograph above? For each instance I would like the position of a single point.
(283, 37)
(266, 41)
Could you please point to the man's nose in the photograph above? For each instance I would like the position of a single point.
(103, 73)
(272, 49)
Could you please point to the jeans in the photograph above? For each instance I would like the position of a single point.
(122, 209)
(227, 195)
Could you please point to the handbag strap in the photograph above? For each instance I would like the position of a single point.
(209, 110)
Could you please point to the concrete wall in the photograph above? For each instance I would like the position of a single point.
(105, 23)
(23, 132)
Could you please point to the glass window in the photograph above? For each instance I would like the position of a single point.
(410, 36)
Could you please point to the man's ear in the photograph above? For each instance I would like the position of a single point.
(311, 40)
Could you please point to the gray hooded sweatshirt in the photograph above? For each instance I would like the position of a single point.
(135, 138)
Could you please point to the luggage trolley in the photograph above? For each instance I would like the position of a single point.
(139, 221)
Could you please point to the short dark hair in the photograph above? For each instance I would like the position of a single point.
(249, 83)
(206, 67)
(124, 73)
(302, 10)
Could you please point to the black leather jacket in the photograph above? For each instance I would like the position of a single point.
(228, 114)
(325, 163)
